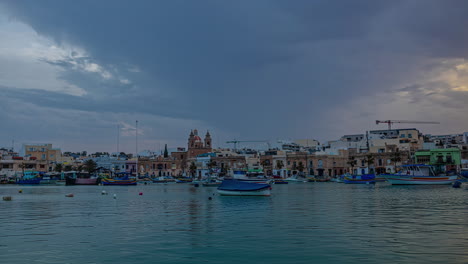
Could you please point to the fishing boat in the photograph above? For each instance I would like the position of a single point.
(29, 177)
(183, 180)
(242, 188)
(159, 180)
(124, 180)
(279, 181)
(359, 179)
(211, 183)
(79, 178)
(419, 174)
(295, 178)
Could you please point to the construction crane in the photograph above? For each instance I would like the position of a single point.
(242, 141)
(390, 122)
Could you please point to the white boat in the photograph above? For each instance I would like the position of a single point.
(264, 192)
(295, 179)
(242, 188)
(419, 174)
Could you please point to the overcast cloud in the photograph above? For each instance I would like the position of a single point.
(72, 71)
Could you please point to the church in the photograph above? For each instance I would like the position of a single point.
(197, 146)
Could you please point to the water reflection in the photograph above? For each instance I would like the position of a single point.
(320, 222)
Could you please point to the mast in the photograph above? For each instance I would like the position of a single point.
(118, 139)
(136, 147)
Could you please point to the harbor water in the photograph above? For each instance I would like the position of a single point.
(178, 223)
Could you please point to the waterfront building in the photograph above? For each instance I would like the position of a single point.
(43, 152)
(443, 159)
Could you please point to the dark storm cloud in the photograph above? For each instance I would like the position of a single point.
(261, 68)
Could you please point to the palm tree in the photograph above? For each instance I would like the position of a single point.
(211, 165)
(58, 167)
(279, 164)
(90, 166)
(193, 169)
(369, 160)
(352, 162)
(300, 168)
(395, 158)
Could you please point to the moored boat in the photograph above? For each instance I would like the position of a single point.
(419, 174)
(359, 179)
(29, 177)
(125, 180)
(242, 188)
(78, 178)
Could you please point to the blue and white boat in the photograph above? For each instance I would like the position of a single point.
(243, 188)
(30, 177)
(419, 174)
(359, 179)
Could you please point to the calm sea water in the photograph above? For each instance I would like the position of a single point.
(177, 223)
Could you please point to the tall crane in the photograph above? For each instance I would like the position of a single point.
(235, 142)
(390, 122)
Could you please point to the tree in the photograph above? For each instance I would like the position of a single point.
(395, 158)
(90, 165)
(193, 169)
(166, 153)
(58, 167)
(68, 168)
(300, 167)
(369, 160)
(211, 165)
(279, 164)
(352, 162)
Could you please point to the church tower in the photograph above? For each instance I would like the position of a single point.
(191, 140)
(208, 140)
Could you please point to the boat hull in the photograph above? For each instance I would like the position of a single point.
(29, 181)
(421, 180)
(262, 192)
(118, 182)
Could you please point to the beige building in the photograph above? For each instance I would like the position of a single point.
(43, 152)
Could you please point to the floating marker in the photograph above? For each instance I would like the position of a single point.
(140, 193)
(115, 196)
(69, 195)
(7, 198)
(103, 193)
(20, 191)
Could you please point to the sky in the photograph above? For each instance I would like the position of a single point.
(78, 74)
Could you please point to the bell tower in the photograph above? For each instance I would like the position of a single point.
(208, 140)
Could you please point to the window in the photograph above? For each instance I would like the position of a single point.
(410, 135)
(320, 164)
(42, 149)
(311, 163)
(43, 156)
(51, 156)
(363, 163)
(402, 135)
(380, 162)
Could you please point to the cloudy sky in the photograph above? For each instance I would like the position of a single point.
(72, 72)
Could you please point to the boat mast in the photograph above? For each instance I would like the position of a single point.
(136, 147)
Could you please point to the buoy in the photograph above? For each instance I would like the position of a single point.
(69, 195)
(140, 193)
(196, 184)
(103, 193)
(7, 198)
(115, 196)
(20, 191)
(209, 198)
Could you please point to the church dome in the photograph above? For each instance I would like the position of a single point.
(197, 139)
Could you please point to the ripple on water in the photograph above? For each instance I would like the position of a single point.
(299, 223)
